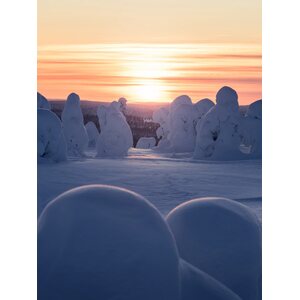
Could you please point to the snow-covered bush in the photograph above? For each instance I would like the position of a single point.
(42, 102)
(251, 129)
(103, 242)
(115, 137)
(74, 131)
(93, 134)
(222, 238)
(51, 144)
(146, 143)
(196, 284)
(218, 136)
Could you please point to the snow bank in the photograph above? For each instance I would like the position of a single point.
(196, 284)
(42, 102)
(116, 137)
(51, 144)
(218, 136)
(222, 238)
(252, 129)
(103, 242)
(73, 127)
(92, 133)
(146, 143)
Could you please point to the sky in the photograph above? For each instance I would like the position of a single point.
(149, 51)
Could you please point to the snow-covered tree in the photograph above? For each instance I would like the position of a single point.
(51, 144)
(115, 137)
(42, 102)
(218, 136)
(74, 131)
(93, 134)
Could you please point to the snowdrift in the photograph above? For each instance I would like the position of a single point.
(146, 143)
(115, 137)
(222, 238)
(51, 144)
(74, 131)
(103, 242)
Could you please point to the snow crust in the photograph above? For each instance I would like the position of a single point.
(146, 143)
(222, 238)
(74, 130)
(42, 102)
(93, 134)
(115, 137)
(51, 144)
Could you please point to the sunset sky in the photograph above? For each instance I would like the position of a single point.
(149, 51)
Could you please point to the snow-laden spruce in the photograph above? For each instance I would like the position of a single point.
(42, 102)
(162, 117)
(104, 242)
(218, 135)
(146, 143)
(251, 129)
(202, 107)
(51, 144)
(222, 238)
(74, 130)
(115, 137)
(93, 134)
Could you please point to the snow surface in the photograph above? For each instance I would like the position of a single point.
(222, 238)
(74, 131)
(165, 180)
(115, 137)
(146, 143)
(51, 145)
(93, 134)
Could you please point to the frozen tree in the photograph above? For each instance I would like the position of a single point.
(51, 144)
(146, 143)
(218, 136)
(123, 104)
(74, 131)
(42, 102)
(162, 117)
(93, 134)
(202, 107)
(222, 238)
(251, 129)
(115, 137)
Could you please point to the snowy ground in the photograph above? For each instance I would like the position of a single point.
(166, 180)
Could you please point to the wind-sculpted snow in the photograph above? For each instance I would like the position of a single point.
(42, 102)
(146, 143)
(115, 137)
(218, 136)
(74, 131)
(104, 242)
(251, 129)
(93, 134)
(51, 144)
(222, 238)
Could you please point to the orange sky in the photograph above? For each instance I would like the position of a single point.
(149, 51)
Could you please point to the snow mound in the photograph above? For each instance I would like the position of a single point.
(50, 140)
(196, 285)
(92, 133)
(146, 143)
(251, 130)
(222, 238)
(103, 242)
(115, 137)
(42, 102)
(218, 134)
(74, 131)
